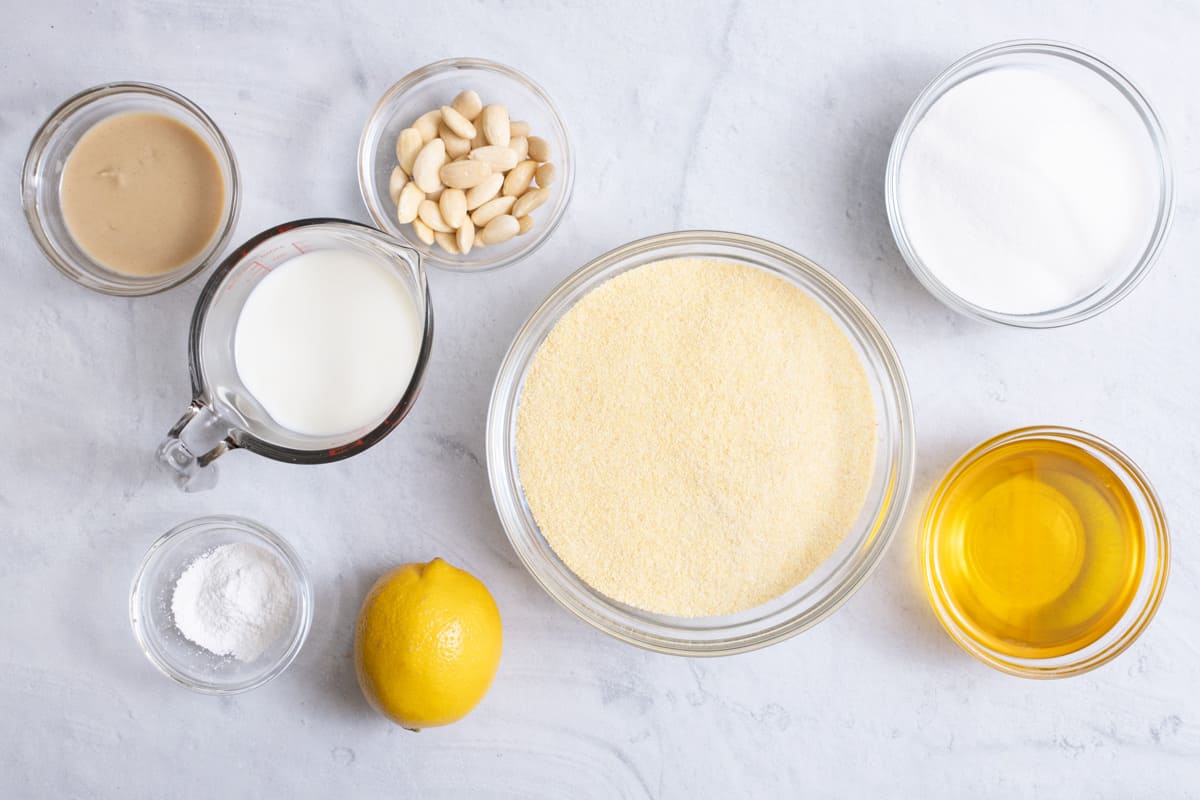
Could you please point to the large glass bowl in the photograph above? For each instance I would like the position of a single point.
(1052, 56)
(431, 87)
(822, 592)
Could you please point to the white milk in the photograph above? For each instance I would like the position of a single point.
(328, 342)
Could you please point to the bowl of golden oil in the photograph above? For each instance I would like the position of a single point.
(1045, 552)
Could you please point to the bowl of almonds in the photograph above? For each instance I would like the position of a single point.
(466, 160)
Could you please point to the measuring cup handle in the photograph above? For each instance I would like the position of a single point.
(201, 431)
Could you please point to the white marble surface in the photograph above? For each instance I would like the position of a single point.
(772, 118)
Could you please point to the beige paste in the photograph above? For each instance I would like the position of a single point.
(142, 193)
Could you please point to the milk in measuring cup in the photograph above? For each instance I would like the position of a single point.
(328, 342)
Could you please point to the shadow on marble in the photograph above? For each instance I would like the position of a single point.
(326, 664)
(863, 173)
(908, 625)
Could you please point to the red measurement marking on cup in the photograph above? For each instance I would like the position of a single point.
(275, 254)
(299, 249)
(335, 451)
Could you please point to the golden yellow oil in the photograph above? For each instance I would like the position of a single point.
(1036, 548)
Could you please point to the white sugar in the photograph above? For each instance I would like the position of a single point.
(1025, 190)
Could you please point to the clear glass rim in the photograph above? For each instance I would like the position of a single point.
(90, 274)
(603, 613)
(274, 542)
(244, 439)
(1086, 307)
(373, 202)
(1155, 568)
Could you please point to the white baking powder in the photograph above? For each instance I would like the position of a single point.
(1025, 190)
(234, 600)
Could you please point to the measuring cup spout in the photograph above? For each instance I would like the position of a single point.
(192, 444)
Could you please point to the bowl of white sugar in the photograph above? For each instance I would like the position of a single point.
(1030, 185)
(221, 604)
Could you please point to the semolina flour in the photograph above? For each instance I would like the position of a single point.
(695, 437)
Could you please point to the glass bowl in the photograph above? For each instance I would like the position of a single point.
(805, 604)
(1045, 55)
(189, 664)
(42, 175)
(1150, 583)
(431, 87)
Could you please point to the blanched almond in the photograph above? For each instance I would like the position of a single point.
(480, 140)
(410, 200)
(520, 146)
(427, 124)
(447, 242)
(496, 125)
(427, 164)
(453, 205)
(518, 127)
(465, 237)
(491, 209)
(539, 149)
(500, 229)
(468, 104)
(526, 223)
(408, 144)
(424, 232)
(499, 157)
(429, 213)
(485, 191)
(518, 178)
(465, 174)
(457, 123)
(456, 146)
(396, 182)
(529, 201)
(545, 174)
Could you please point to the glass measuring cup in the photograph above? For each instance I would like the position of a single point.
(223, 414)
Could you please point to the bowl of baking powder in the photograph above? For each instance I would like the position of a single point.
(221, 604)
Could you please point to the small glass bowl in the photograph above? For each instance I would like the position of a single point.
(807, 603)
(187, 663)
(42, 176)
(1043, 54)
(1151, 583)
(431, 87)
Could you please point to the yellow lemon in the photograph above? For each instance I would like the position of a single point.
(427, 644)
